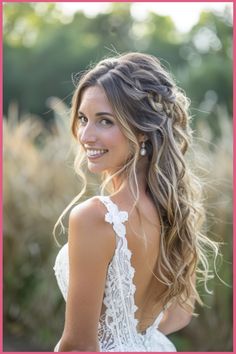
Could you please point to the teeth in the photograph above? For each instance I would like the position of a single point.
(95, 152)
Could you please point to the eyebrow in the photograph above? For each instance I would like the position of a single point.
(98, 114)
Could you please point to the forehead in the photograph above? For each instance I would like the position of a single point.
(95, 95)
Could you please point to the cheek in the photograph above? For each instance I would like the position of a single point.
(76, 133)
(79, 133)
(118, 140)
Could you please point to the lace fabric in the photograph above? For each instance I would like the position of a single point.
(117, 330)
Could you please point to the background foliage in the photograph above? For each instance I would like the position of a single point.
(42, 49)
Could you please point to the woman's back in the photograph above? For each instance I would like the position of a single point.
(143, 238)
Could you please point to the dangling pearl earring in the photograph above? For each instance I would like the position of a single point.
(143, 150)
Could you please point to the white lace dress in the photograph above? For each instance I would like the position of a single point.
(118, 325)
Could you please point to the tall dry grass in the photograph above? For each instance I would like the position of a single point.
(39, 182)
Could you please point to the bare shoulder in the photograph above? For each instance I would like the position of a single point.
(87, 227)
(91, 246)
(91, 209)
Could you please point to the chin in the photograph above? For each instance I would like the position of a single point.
(99, 168)
(96, 169)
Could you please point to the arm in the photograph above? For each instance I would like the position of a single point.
(175, 318)
(91, 246)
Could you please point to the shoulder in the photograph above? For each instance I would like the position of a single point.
(88, 229)
(91, 209)
(90, 249)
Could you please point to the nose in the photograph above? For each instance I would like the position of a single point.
(87, 134)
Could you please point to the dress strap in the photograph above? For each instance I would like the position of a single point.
(161, 314)
(158, 319)
(114, 216)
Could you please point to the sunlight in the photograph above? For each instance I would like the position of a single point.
(184, 15)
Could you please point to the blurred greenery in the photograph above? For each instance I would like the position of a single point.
(42, 49)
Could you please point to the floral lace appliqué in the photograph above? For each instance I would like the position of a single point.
(117, 218)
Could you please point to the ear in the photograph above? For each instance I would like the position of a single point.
(142, 137)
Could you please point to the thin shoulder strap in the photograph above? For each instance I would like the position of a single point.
(114, 216)
(158, 319)
(161, 314)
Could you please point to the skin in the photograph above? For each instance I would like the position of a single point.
(98, 129)
(89, 256)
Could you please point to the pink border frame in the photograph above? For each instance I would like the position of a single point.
(234, 161)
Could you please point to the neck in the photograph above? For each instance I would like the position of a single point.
(121, 184)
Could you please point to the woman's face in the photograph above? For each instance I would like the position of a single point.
(106, 146)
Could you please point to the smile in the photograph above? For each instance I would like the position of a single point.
(95, 153)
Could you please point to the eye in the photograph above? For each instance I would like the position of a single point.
(82, 120)
(105, 121)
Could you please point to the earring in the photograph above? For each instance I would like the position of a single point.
(143, 150)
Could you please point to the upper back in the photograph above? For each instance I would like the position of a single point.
(143, 238)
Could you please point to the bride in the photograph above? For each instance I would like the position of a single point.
(128, 270)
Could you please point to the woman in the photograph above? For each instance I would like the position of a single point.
(128, 270)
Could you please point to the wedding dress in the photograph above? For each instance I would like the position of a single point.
(118, 325)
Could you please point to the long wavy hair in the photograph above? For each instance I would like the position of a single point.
(145, 99)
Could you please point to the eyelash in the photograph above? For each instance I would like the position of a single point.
(80, 118)
(82, 123)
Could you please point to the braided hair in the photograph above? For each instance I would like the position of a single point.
(145, 99)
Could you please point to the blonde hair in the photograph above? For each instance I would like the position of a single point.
(145, 99)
